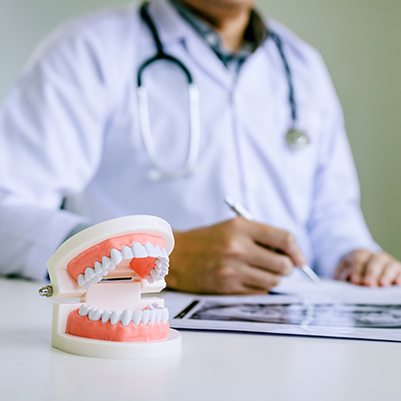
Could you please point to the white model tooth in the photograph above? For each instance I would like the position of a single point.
(106, 316)
(158, 251)
(95, 314)
(126, 317)
(166, 315)
(151, 250)
(115, 256)
(159, 315)
(139, 250)
(98, 268)
(106, 263)
(162, 262)
(145, 316)
(81, 280)
(84, 310)
(127, 253)
(96, 279)
(136, 317)
(153, 316)
(153, 278)
(115, 317)
(89, 274)
(164, 254)
(150, 279)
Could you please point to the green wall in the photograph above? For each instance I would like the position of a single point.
(361, 42)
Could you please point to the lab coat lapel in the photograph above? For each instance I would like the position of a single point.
(172, 28)
(202, 55)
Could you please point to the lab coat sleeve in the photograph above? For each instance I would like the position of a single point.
(336, 225)
(50, 148)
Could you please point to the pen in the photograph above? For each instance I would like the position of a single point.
(240, 210)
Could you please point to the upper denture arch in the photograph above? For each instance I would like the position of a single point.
(108, 253)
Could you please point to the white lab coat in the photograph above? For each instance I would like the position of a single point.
(69, 129)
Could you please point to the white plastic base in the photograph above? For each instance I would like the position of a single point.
(119, 350)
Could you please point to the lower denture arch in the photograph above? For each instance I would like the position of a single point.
(81, 326)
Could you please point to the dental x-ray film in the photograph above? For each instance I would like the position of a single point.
(293, 315)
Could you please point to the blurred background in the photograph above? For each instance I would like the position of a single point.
(361, 43)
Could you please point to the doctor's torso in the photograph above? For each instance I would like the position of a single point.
(243, 121)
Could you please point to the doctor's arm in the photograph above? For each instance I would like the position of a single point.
(50, 144)
(340, 237)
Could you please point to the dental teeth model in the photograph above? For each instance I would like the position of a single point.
(107, 268)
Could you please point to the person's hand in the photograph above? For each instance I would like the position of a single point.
(368, 268)
(234, 257)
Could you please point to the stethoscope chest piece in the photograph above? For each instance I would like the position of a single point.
(297, 139)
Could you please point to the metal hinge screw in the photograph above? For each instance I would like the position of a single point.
(46, 291)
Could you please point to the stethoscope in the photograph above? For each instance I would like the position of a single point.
(296, 139)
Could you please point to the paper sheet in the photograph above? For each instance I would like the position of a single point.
(299, 285)
(332, 309)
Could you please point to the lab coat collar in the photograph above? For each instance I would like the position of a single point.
(169, 24)
(173, 29)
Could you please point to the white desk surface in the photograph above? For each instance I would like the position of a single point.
(213, 366)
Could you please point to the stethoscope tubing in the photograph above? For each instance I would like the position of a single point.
(291, 91)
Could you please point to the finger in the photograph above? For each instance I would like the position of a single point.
(357, 262)
(258, 279)
(343, 272)
(237, 279)
(268, 260)
(252, 291)
(374, 269)
(277, 239)
(390, 273)
(397, 280)
(243, 289)
(340, 270)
